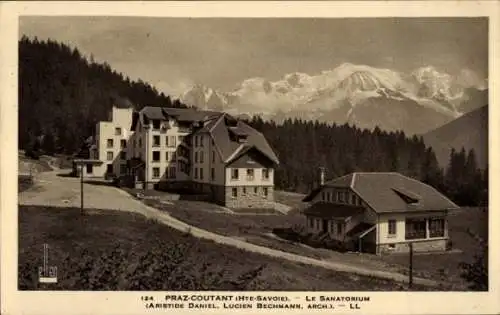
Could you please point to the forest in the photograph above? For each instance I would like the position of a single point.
(63, 94)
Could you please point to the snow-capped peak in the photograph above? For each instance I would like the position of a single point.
(346, 85)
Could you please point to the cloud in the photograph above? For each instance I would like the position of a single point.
(174, 89)
(468, 78)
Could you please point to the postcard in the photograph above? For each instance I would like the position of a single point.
(250, 157)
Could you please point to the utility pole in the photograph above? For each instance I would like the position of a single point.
(81, 189)
(410, 282)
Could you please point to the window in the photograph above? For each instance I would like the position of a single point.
(195, 172)
(234, 174)
(353, 199)
(123, 155)
(156, 141)
(118, 131)
(339, 198)
(244, 190)
(250, 172)
(174, 156)
(212, 175)
(323, 196)
(156, 124)
(234, 192)
(201, 141)
(90, 169)
(156, 172)
(329, 196)
(110, 143)
(265, 174)
(167, 156)
(166, 141)
(201, 173)
(213, 156)
(196, 157)
(256, 190)
(123, 169)
(392, 227)
(265, 191)
(123, 143)
(156, 156)
(436, 227)
(172, 172)
(415, 229)
(339, 228)
(109, 156)
(310, 222)
(201, 156)
(195, 141)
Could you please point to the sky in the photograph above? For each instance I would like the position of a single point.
(174, 53)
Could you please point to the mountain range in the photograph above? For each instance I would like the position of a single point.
(416, 103)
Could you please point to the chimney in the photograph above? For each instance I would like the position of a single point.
(322, 176)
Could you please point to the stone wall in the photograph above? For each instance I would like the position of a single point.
(247, 198)
(418, 246)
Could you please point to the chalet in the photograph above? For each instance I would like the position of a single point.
(380, 212)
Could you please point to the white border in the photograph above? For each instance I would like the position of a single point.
(15, 302)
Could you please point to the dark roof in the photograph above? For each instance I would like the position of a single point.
(332, 211)
(359, 229)
(391, 192)
(231, 149)
(186, 115)
(312, 194)
(218, 125)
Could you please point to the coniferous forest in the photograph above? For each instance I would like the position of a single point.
(63, 94)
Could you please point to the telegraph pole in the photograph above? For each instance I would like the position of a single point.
(81, 189)
(410, 282)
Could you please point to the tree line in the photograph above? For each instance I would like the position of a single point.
(304, 147)
(63, 94)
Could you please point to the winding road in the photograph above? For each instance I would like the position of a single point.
(56, 190)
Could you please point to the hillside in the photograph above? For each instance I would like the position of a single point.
(469, 131)
(62, 95)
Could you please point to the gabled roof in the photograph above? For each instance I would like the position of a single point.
(391, 192)
(329, 210)
(219, 125)
(231, 149)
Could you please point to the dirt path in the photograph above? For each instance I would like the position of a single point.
(54, 190)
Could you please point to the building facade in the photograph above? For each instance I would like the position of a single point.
(380, 212)
(110, 149)
(187, 149)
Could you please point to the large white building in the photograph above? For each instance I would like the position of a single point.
(177, 148)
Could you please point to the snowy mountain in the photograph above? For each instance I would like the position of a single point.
(357, 94)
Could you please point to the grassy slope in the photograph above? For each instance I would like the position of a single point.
(85, 238)
(252, 228)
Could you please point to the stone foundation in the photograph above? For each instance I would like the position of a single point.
(247, 198)
(418, 246)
